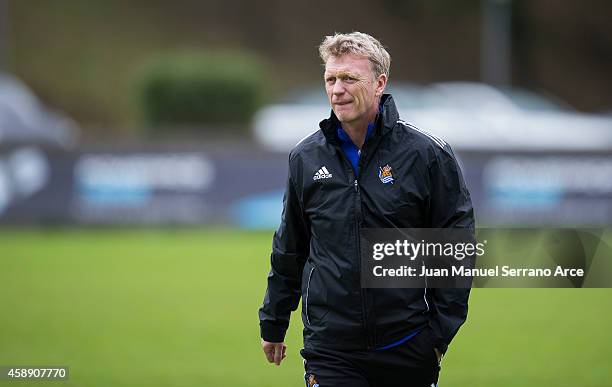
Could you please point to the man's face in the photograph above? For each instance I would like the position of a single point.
(352, 89)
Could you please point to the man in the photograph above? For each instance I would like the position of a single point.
(364, 168)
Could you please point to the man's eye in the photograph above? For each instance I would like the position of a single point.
(330, 80)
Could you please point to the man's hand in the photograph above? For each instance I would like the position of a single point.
(275, 352)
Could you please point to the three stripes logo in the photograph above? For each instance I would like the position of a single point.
(322, 173)
(441, 143)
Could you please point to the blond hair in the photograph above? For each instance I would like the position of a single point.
(357, 43)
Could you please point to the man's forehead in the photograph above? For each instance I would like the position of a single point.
(349, 64)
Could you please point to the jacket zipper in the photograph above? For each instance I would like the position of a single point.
(362, 291)
(363, 161)
(358, 221)
(357, 205)
(307, 291)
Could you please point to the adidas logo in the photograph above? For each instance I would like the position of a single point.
(322, 173)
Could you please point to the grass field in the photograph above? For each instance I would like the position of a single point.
(126, 307)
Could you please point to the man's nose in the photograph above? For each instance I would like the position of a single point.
(338, 88)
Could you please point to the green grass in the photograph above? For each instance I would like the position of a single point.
(126, 307)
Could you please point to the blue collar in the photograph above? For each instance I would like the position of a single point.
(345, 139)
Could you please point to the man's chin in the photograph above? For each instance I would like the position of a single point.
(344, 116)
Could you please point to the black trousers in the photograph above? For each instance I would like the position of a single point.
(411, 364)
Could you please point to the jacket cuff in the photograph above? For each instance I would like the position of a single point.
(272, 333)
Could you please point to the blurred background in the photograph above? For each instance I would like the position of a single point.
(143, 155)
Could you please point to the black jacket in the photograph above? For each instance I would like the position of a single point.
(315, 252)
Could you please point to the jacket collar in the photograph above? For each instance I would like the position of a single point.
(384, 123)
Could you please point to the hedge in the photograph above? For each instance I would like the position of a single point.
(193, 88)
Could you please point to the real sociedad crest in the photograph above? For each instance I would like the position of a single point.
(385, 174)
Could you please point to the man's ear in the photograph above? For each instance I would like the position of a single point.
(381, 83)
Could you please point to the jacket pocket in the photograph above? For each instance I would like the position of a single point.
(312, 291)
(312, 269)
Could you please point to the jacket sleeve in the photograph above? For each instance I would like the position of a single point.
(450, 207)
(290, 248)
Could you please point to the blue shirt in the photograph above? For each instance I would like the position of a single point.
(351, 150)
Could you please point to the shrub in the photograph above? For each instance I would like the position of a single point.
(192, 88)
